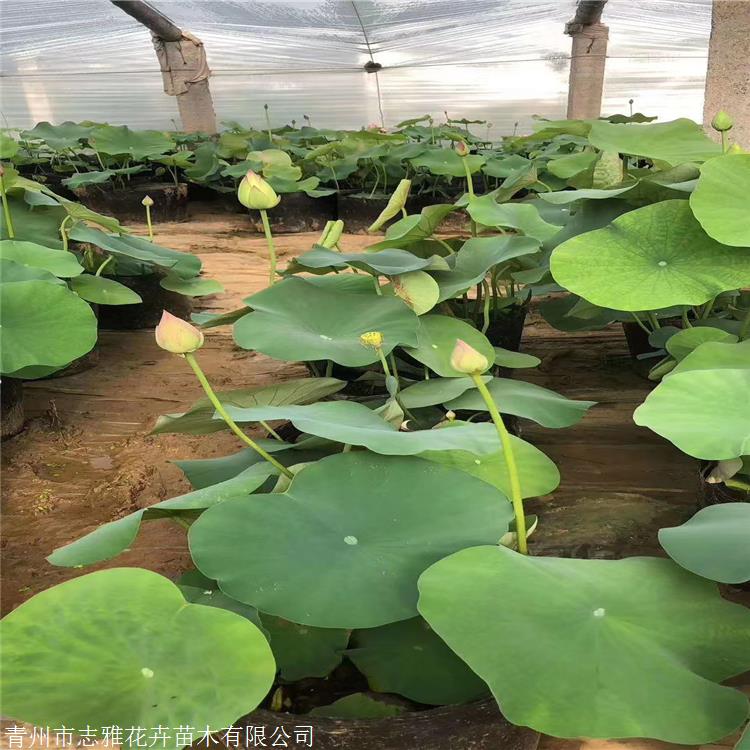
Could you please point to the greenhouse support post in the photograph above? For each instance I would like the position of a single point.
(728, 75)
(184, 67)
(587, 60)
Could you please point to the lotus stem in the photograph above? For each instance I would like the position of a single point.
(64, 232)
(383, 361)
(271, 247)
(233, 426)
(486, 307)
(510, 461)
(640, 323)
(6, 207)
(150, 225)
(103, 266)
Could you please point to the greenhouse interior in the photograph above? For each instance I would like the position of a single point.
(375, 374)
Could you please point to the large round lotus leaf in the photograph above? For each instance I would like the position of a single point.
(298, 321)
(57, 262)
(537, 473)
(355, 424)
(445, 161)
(43, 324)
(650, 258)
(387, 262)
(527, 400)
(302, 651)
(417, 288)
(436, 339)
(676, 142)
(594, 648)
(702, 407)
(10, 271)
(103, 291)
(122, 647)
(409, 659)
(436, 391)
(721, 199)
(683, 342)
(344, 545)
(58, 137)
(714, 543)
(522, 216)
(119, 140)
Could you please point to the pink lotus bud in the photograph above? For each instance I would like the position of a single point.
(467, 359)
(462, 149)
(177, 336)
(254, 192)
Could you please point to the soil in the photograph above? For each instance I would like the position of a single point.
(86, 457)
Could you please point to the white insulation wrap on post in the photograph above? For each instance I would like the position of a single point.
(496, 60)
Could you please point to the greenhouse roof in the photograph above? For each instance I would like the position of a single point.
(496, 60)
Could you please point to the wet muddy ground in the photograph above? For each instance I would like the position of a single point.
(86, 456)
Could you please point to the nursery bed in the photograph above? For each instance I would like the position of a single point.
(86, 456)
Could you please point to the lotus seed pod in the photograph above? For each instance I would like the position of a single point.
(722, 122)
(177, 336)
(462, 149)
(372, 339)
(147, 201)
(255, 192)
(467, 359)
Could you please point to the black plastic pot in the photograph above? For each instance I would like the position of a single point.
(11, 406)
(145, 314)
(298, 212)
(717, 494)
(170, 201)
(638, 344)
(506, 326)
(476, 726)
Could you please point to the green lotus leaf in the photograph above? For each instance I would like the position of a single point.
(414, 228)
(120, 140)
(303, 651)
(701, 406)
(682, 343)
(515, 360)
(436, 338)
(541, 405)
(358, 706)
(57, 262)
(505, 166)
(353, 423)
(714, 543)
(571, 164)
(675, 142)
(184, 265)
(417, 288)
(103, 291)
(199, 419)
(537, 473)
(476, 257)
(407, 658)
(112, 538)
(197, 589)
(388, 262)
(81, 213)
(130, 651)
(10, 272)
(43, 324)
(8, 147)
(650, 258)
(618, 648)
(82, 179)
(341, 548)
(435, 391)
(721, 199)
(298, 321)
(521, 216)
(193, 287)
(560, 313)
(569, 196)
(445, 161)
(214, 320)
(58, 137)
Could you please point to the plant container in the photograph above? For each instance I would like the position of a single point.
(298, 212)
(170, 201)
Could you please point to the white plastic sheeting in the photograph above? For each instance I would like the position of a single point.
(495, 60)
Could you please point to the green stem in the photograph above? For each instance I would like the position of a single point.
(383, 361)
(271, 247)
(378, 290)
(510, 462)
(655, 325)
(233, 426)
(724, 142)
(275, 435)
(469, 180)
(707, 308)
(329, 368)
(103, 266)
(392, 357)
(148, 221)
(6, 209)
(64, 231)
(640, 323)
(486, 307)
(685, 320)
(450, 250)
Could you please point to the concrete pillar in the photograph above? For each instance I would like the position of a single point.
(728, 75)
(185, 73)
(587, 62)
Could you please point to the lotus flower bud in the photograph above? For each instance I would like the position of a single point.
(722, 121)
(462, 149)
(255, 192)
(467, 359)
(372, 339)
(177, 336)
(450, 415)
(147, 201)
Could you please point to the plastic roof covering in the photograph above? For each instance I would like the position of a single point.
(498, 60)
